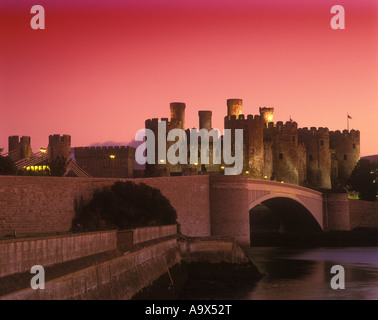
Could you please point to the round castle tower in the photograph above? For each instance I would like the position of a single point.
(178, 113)
(177, 121)
(205, 119)
(234, 107)
(266, 115)
(318, 159)
(285, 153)
(19, 148)
(60, 146)
(347, 149)
(253, 146)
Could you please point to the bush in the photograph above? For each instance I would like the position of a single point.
(364, 180)
(125, 205)
(7, 166)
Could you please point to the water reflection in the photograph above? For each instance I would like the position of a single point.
(305, 273)
(299, 274)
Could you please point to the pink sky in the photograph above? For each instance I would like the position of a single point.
(97, 72)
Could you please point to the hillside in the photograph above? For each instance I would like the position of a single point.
(372, 158)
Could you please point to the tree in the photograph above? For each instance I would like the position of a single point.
(58, 166)
(364, 180)
(7, 166)
(125, 205)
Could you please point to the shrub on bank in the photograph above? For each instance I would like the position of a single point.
(125, 205)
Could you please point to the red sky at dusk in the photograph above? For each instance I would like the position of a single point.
(100, 68)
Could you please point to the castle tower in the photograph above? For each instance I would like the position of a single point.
(60, 146)
(266, 115)
(25, 146)
(234, 107)
(205, 120)
(347, 150)
(255, 148)
(162, 168)
(19, 148)
(285, 152)
(318, 157)
(178, 113)
(13, 143)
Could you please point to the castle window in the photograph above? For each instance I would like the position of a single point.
(354, 146)
(280, 156)
(293, 138)
(345, 157)
(310, 157)
(322, 142)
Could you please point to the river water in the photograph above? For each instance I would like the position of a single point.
(300, 274)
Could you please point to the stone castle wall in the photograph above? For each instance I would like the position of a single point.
(363, 214)
(98, 163)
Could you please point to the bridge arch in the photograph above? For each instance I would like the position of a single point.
(293, 213)
(232, 198)
(308, 202)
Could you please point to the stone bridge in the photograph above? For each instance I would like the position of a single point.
(300, 209)
(261, 191)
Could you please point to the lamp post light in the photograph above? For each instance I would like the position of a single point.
(112, 157)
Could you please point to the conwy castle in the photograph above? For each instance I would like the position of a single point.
(279, 151)
(282, 152)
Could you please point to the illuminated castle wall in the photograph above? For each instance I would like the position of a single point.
(106, 162)
(274, 151)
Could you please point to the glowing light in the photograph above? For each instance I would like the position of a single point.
(43, 150)
(222, 167)
(112, 156)
(196, 164)
(161, 161)
(282, 182)
(265, 177)
(247, 172)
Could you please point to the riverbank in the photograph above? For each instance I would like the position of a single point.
(214, 280)
(214, 264)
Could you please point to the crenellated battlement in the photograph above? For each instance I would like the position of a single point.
(152, 124)
(305, 134)
(313, 130)
(60, 138)
(280, 127)
(242, 119)
(103, 151)
(345, 134)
